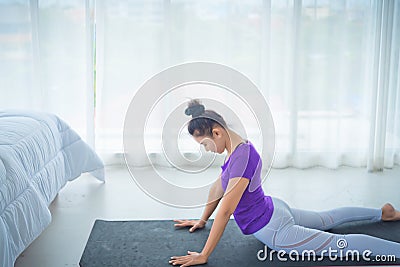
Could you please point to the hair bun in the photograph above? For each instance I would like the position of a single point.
(195, 108)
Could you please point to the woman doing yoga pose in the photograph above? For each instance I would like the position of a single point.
(269, 219)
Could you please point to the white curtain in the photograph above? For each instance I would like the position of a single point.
(46, 62)
(328, 69)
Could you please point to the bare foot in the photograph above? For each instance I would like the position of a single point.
(389, 213)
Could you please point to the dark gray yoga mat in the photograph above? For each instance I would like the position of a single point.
(152, 243)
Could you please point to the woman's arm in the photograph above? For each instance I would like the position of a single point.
(214, 196)
(234, 192)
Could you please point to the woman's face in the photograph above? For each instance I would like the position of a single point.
(215, 143)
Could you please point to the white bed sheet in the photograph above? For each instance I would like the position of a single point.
(39, 153)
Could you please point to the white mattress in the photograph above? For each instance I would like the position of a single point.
(39, 153)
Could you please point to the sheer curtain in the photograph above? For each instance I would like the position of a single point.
(328, 69)
(384, 84)
(46, 60)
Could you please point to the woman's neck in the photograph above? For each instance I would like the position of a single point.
(233, 141)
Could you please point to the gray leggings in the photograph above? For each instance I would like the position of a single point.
(293, 229)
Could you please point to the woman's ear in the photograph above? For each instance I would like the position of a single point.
(216, 132)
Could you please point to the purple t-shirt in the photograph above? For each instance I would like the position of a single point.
(254, 209)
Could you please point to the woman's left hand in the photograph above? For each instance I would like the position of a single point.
(193, 258)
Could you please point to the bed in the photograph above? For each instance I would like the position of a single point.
(39, 154)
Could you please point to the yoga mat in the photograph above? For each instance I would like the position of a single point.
(152, 243)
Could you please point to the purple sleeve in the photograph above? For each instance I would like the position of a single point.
(240, 165)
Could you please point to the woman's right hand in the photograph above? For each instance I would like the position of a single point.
(193, 224)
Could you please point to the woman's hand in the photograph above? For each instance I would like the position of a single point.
(193, 258)
(193, 224)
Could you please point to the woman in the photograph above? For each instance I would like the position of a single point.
(269, 219)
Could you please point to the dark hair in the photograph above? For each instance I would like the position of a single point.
(203, 120)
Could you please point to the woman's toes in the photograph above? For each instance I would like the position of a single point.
(388, 212)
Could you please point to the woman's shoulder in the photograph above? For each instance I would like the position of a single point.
(245, 151)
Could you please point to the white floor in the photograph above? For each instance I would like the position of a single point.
(84, 200)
